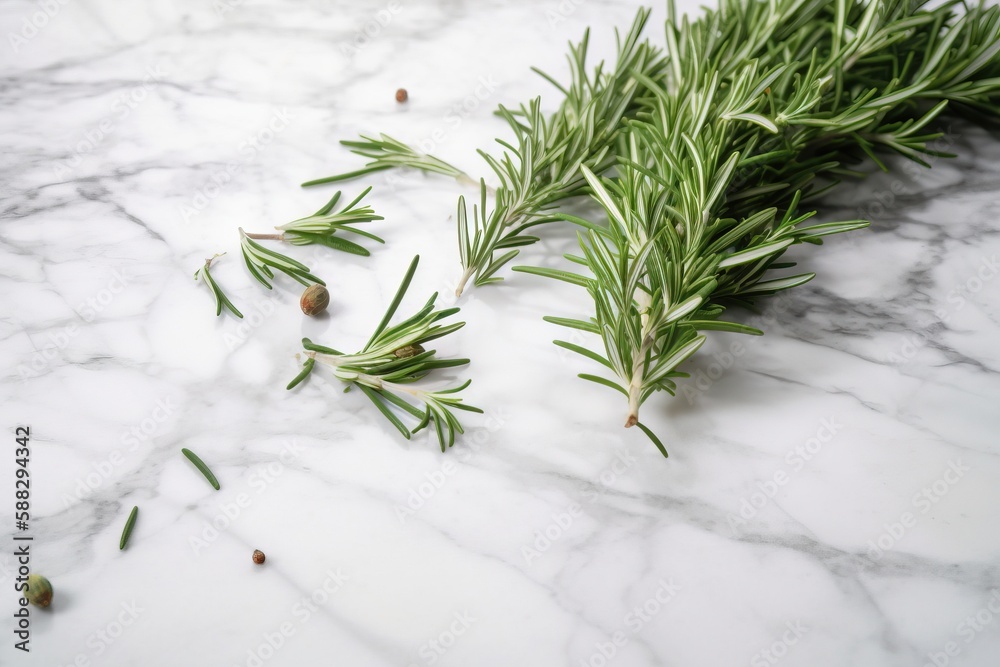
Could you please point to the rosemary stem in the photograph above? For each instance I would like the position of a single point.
(266, 237)
(644, 302)
(416, 393)
(635, 383)
(328, 359)
(372, 381)
(463, 281)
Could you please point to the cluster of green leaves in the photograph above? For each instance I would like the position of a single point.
(321, 227)
(325, 227)
(204, 274)
(263, 262)
(708, 196)
(394, 358)
(544, 168)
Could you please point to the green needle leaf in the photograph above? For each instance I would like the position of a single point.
(376, 398)
(391, 310)
(129, 525)
(200, 465)
(306, 370)
(652, 436)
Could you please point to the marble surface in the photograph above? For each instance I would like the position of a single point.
(831, 496)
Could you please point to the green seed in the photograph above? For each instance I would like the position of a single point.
(408, 351)
(200, 465)
(129, 525)
(39, 591)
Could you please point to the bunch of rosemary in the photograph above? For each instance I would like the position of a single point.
(703, 155)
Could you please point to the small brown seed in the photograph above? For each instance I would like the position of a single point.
(258, 556)
(402, 95)
(408, 351)
(314, 300)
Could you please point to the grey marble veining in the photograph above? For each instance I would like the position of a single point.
(831, 493)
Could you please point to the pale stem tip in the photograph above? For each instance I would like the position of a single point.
(463, 281)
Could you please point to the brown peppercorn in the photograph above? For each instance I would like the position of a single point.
(402, 95)
(314, 300)
(258, 556)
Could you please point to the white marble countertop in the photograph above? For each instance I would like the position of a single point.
(831, 497)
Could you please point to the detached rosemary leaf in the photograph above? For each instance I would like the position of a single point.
(306, 370)
(129, 525)
(200, 465)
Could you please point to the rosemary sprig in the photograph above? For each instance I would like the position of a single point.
(394, 358)
(687, 230)
(205, 275)
(127, 530)
(542, 170)
(322, 226)
(262, 262)
(200, 465)
(388, 153)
